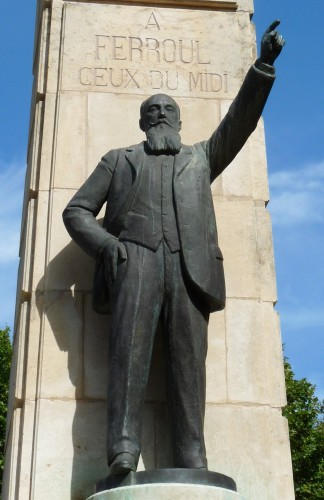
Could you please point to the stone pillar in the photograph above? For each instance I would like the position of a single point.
(95, 62)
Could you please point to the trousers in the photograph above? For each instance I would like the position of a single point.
(152, 285)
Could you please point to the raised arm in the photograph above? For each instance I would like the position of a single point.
(246, 109)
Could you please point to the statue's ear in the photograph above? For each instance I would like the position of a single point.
(180, 125)
(141, 124)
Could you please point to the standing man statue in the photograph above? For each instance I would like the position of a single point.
(158, 258)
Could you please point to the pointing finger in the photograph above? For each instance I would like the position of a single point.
(273, 26)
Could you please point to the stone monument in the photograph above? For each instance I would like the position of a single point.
(95, 63)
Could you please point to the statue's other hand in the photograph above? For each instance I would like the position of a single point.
(271, 44)
(113, 253)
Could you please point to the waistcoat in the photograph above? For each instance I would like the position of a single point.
(151, 217)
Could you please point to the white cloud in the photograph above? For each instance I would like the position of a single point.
(297, 195)
(12, 177)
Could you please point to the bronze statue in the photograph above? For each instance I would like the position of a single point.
(158, 258)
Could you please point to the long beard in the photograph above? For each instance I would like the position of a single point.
(163, 139)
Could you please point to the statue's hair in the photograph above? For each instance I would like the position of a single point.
(146, 102)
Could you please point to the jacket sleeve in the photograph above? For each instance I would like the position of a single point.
(241, 118)
(80, 214)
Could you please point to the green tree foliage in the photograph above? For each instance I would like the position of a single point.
(305, 413)
(5, 362)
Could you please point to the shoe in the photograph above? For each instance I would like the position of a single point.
(123, 463)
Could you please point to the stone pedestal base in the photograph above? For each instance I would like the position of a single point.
(167, 492)
(166, 484)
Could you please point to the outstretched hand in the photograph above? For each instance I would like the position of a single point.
(271, 44)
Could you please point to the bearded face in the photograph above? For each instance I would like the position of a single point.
(160, 120)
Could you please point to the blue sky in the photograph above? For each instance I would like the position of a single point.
(294, 134)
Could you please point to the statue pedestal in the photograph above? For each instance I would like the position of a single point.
(167, 492)
(166, 484)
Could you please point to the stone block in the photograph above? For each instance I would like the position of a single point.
(26, 252)
(62, 345)
(11, 455)
(50, 332)
(18, 366)
(237, 239)
(276, 363)
(268, 289)
(73, 459)
(216, 386)
(39, 241)
(34, 150)
(18, 460)
(112, 123)
(236, 178)
(258, 163)
(23, 379)
(284, 484)
(41, 59)
(246, 5)
(246, 176)
(195, 130)
(151, 53)
(245, 238)
(48, 132)
(65, 258)
(242, 442)
(31, 349)
(254, 363)
(55, 38)
(70, 144)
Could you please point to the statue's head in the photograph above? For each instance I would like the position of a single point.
(160, 120)
(159, 108)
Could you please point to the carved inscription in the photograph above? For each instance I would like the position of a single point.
(151, 63)
(151, 50)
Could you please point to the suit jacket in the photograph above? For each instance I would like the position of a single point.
(116, 179)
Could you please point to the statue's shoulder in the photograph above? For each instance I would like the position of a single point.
(114, 155)
(200, 147)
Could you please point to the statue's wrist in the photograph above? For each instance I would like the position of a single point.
(266, 67)
(105, 245)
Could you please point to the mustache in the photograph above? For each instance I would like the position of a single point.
(162, 121)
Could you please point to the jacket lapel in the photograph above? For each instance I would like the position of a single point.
(182, 160)
(134, 156)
